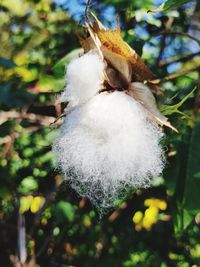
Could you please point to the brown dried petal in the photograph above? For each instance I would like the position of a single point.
(87, 44)
(119, 63)
(112, 42)
(113, 78)
(143, 94)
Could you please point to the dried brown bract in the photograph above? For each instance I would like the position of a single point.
(125, 69)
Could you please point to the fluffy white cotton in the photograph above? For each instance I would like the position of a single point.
(84, 79)
(108, 145)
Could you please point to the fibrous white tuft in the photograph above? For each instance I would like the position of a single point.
(84, 78)
(108, 145)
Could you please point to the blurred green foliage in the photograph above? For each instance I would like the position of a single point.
(154, 227)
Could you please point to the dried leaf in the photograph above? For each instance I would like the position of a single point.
(87, 44)
(143, 94)
(119, 63)
(119, 54)
(139, 69)
(96, 40)
(124, 66)
(113, 78)
(97, 25)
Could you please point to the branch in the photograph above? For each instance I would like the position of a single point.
(197, 98)
(162, 48)
(178, 59)
(21, 238)
(117, 212)
(168, 25)
(58, 118)
(168, 32)
(86, 11)
(173, 75)
(12, 114)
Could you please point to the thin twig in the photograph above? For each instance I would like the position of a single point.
(21, 227)
(168, 25)
(197, 98)
(175, 59)
(162, 48)
(86, 12)
(173, 75)
(12, 114)
(180, 33)
(117, 212)
(58, 118)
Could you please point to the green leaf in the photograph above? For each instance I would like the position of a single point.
(169, 4)
(63, 211)
(7, 63)
(56, 231)
(167, 110)
(27, 185)
(197, 175)
(178, 203)
(183, 219)
(60, 66)
(188, 185)
(192, 188)
(4, 192)
(48, 83)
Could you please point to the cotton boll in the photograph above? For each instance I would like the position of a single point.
(84, 79)
(108, 145)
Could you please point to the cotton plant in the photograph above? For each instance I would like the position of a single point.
(109, 141)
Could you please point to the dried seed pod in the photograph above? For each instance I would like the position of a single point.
(127, 69)
(116, 51)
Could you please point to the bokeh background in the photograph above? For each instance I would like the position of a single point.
(43, 222)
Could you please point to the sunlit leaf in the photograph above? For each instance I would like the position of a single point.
(169, 4)
(25, 203)
(28, 184)
(171, 109)
(36, 204)
(48, 83)
(183, 219)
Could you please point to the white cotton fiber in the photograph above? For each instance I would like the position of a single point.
(84, 79)
(108, 145)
